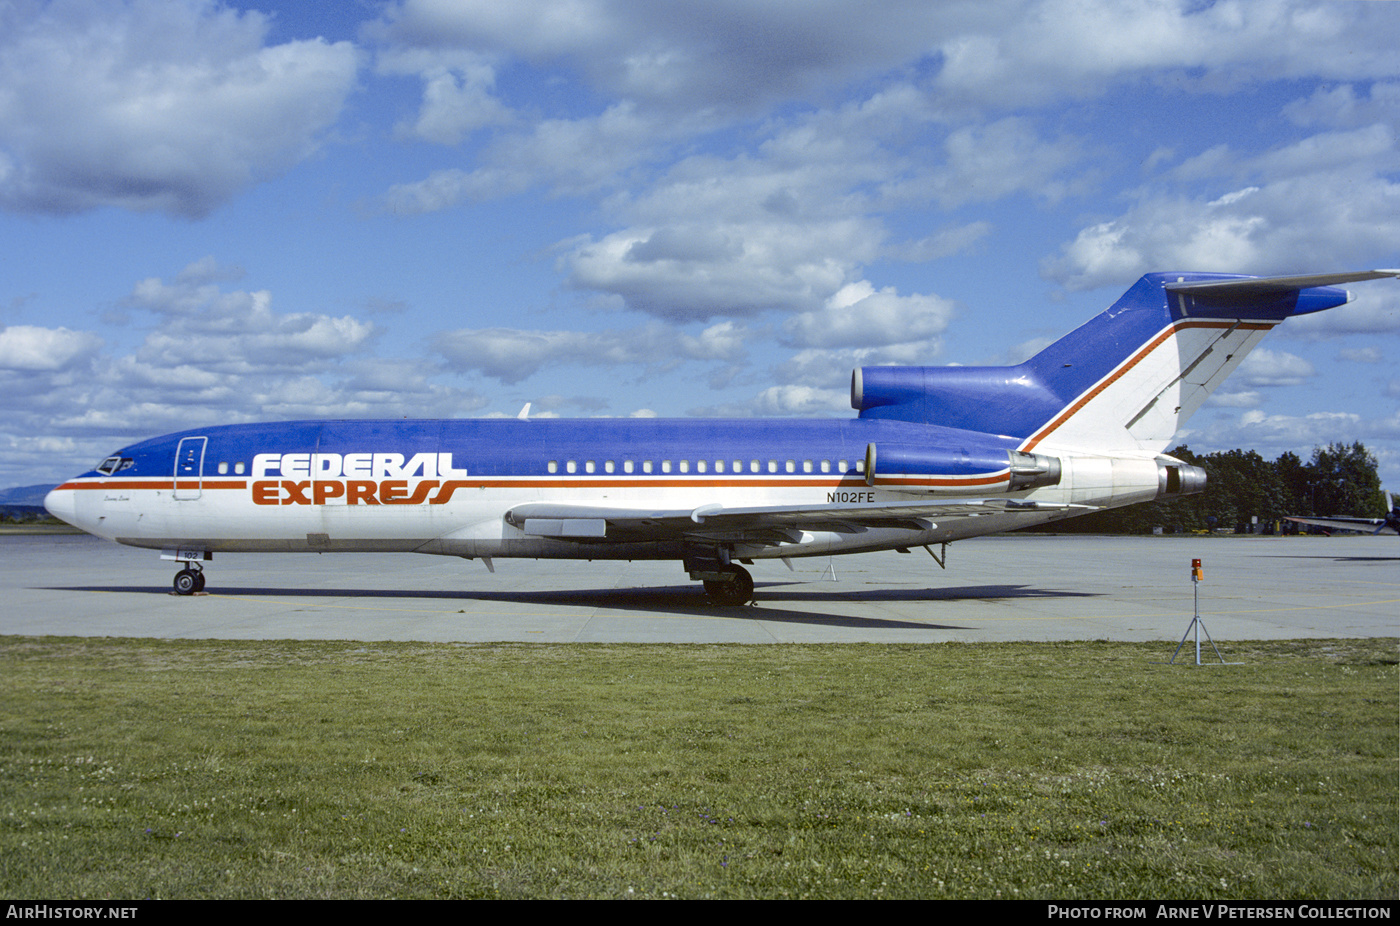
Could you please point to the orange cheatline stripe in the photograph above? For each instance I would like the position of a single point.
(941, 480)
(544, 482)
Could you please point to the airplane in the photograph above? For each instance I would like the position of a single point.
(1390, 524)
(934, 455)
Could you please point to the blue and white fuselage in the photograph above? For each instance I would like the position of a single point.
(937, 454)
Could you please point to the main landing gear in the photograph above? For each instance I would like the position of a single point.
(189, 580)
(734, 588)
(725, 582)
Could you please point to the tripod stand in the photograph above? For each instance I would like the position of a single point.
(1197, 575)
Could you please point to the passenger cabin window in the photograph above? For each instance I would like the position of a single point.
(553, 466)
(238, 469)
(223, 469)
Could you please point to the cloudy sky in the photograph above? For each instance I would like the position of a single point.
(220, 212)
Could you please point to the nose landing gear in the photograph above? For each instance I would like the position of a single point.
(189, 580)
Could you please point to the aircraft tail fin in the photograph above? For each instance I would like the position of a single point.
(1126, 380)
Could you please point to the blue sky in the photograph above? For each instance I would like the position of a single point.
(236, 212)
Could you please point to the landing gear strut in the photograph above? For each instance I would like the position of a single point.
(735, 589)
(189, 580)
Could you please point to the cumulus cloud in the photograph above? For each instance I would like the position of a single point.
(766, 266)
(155, 106)
(204, 327)
(216, 355)
(801, 401)
(735, 55)
(782, 230)
(1235, 399)
(1057, 49)
(1362, 355)
(1296, 430)
(1347, 106)
(858, 316)
(511, 355)
(457, 92)
(987, 162)
(945, 243)
(571, 157)
(31, 348)
(1289, 223)
(1264, 367)
(726, 54)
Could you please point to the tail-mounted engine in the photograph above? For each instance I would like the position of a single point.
(913, 468)
(1175, 478)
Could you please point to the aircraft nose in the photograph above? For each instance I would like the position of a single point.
(62, 504)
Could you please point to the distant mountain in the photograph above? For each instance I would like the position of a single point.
(24, 496)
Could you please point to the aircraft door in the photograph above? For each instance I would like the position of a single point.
(189, 468)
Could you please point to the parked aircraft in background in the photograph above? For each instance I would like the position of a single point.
(935, 455)
(1390, 524)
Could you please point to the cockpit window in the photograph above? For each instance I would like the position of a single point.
(114, 465)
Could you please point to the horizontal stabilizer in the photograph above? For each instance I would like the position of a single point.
(1267, 286)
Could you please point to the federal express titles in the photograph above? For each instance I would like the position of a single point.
(355, 479)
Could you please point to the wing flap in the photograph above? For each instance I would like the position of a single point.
(767, 524)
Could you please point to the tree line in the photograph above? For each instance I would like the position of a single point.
(1247, 494)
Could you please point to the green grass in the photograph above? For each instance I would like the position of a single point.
(139, 768)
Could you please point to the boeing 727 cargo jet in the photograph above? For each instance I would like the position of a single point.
(936, 454)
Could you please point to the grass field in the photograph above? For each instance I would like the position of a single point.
(193, 769)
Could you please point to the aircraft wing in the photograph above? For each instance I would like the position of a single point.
(1365, 525)
(771, 525)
